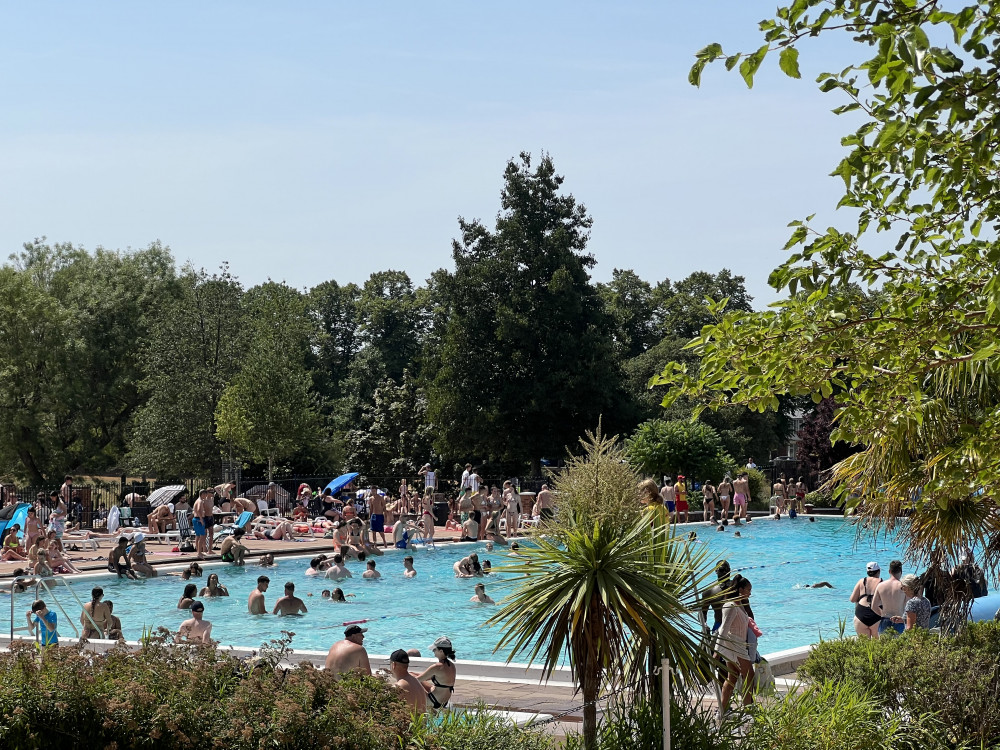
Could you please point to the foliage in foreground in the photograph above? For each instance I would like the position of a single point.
(479, 730)
(179, 699)
(956, 678)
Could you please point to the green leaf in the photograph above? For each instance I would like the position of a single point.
(788, 61)
(749, 67)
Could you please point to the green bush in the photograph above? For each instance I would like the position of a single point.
(821, 499)
(628, 726)
(837, 716)
(474, 730)
(760, 490)
(178, 698)
(956, 678)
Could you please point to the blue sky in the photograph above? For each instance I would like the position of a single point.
(326, 140)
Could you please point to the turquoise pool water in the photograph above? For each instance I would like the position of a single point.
(778, 558)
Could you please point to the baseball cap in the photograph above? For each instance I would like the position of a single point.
(442, 642)
(400, 656)
(354, 630)
(197, 607)
(171, 506)
(873, 567)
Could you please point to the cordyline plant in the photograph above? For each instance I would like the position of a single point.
(912, 360)
(612, 599)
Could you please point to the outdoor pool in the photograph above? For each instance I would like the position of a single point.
(777, 557)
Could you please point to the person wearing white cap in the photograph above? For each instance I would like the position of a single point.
(349, 655)
(439, 679)
(137, 557)
(866, 620)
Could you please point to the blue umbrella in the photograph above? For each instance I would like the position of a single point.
(342, 481)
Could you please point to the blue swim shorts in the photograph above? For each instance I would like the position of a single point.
(199, 527)
(378, 522)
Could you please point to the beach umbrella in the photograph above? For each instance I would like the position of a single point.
(164, 495)
(258, 492)
(342, 481)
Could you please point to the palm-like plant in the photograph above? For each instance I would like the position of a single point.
(606, 598)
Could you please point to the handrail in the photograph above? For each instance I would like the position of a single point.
(62, 580)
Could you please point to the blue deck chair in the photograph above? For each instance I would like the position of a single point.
(240, 523)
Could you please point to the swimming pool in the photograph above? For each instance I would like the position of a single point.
(777, 557)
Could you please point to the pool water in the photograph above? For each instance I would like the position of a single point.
(777, 557)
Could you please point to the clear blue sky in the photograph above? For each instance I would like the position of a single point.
(309, 141)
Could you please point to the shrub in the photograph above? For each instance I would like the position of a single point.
(760, 490)
(957, 678)
(180, 698)
(821, 499)
(475, 730)
(627, 726)
(836, 716)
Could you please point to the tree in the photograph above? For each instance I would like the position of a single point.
(267, 411)
(390, 320)
(334, 310)
(681, 307)
(72, 321)
(817, 452)
(527, 360)
(393, 436)
(677, 446)
(916, 371)
(190, 355)
(629, 301)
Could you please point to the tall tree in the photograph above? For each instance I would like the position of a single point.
(527, 362)
(267, 411)
(629, 301)
(916, 372)
(390, 320)
(192, 352)
(334, 310)
(71, 383)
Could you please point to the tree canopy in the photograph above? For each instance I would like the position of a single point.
(914, 370)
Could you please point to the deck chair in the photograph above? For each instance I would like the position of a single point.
(227, 530)
(266, 511)
(184, 531)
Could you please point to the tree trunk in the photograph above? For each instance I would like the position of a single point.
(270, 467)
(590, 685)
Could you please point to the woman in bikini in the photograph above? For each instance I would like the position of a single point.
(59, 562)
(725, 494)
(866, 621)
(439, 679)
(12, 549)
(427, 517)
(32, 529)
(95, 612)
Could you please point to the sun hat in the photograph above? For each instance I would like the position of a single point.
(873, 567)
(443, 642)
(354, 630)
(138, 537)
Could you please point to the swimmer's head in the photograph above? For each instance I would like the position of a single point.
(326, 593)
(408, 559)
(371, 565)
(515, 545)
(736, 533)
(338, 559)
(361, 556)
(489, 546)
(721, 528)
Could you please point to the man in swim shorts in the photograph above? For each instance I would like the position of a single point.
(680, 499)
(669, 498)
(349, 655)
(233, 550)
(289, 604)
(337, 571)
(408, 570)
(741, 494)
(377, 520)
(889, 599)
(202, 522)
(118, 559)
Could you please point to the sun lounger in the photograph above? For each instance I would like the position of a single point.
(240, 523)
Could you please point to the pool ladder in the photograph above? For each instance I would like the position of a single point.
(43, 583)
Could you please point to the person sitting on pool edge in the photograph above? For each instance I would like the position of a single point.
(407, 684)
(233, 550)
(118, 560)
(289, 604)
(349, 655)
(439, 679)
(470, 530)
